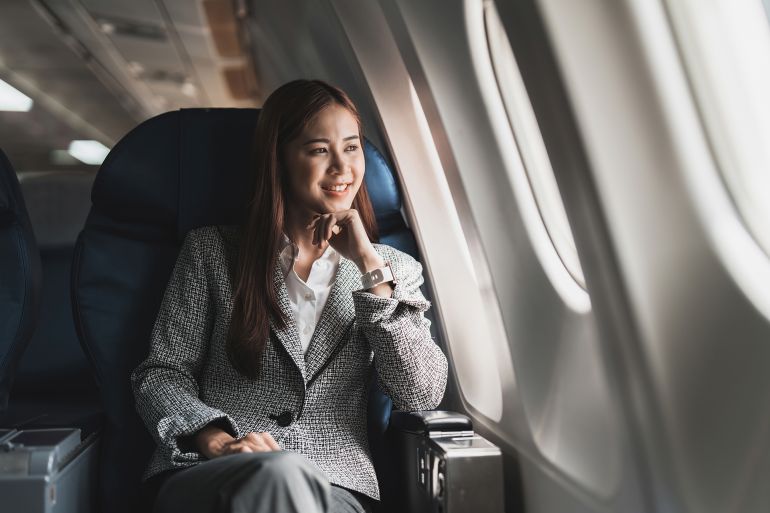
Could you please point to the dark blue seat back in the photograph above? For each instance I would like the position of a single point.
(20, 280)
(173, 173)
(54, 367)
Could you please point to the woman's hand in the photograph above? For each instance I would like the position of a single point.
(212, 442)
(345, 231)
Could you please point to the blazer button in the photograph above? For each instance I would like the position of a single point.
(285, 418)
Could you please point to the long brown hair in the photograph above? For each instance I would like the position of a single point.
(284, 115)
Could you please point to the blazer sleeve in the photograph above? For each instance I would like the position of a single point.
(411, 368)
(165, 385)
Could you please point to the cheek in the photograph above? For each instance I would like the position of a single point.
(303, 177)
(360, 166)
(359, 185)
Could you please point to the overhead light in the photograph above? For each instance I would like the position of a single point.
(88, 152)
(135, 29)
(189, 89)
(11, 99)
(135, 68)
(107, 27)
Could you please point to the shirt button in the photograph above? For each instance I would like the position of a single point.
(307, 295)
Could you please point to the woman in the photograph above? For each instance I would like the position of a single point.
(255, 387)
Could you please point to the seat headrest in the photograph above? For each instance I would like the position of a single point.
(58, 204)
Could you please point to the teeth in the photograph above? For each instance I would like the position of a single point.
(337, 188)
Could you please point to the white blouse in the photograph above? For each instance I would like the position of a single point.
(308, 299)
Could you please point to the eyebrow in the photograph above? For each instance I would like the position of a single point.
(311, 141)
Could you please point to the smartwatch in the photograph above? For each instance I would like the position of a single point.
(377, 276)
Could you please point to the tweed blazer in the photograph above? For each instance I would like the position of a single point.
(314, 404)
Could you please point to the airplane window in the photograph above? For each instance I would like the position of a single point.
(730, 78)
(530, 144)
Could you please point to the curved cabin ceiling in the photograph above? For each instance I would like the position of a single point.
(96, 68)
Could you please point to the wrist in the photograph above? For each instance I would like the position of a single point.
(370, 262)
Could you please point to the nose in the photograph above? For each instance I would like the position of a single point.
(338, 162)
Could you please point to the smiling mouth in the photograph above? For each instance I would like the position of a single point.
(338, 189)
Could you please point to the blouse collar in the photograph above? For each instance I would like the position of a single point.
(289, 253)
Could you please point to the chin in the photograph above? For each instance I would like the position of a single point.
(329, 207)
(339, 208)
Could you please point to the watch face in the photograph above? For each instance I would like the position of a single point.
(376, 275)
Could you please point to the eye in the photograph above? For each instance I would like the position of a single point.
(352, 147)
(318, 150)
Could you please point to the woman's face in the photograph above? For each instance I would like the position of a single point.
(327, 152)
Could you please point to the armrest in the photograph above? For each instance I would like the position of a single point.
(434, 461)
(57, 461)
(423, 422)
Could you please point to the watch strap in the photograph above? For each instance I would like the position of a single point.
(377, 276)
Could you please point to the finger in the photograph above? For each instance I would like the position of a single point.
(237, 448)
(260, 446)
(345, 216)
(248, 440)
(320, 229)
(252, 442)
(270, 441)
(329, 222)
(248, 445)
(257, 441)
(313, 221)
(316, 224)
(252, 437)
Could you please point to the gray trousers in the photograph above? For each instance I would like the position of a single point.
(260, 482)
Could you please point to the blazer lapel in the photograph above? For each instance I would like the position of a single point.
(289, 335)
(336, 318)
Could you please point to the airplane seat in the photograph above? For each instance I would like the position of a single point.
(21, 278)
(54, 369)
(173, 173)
